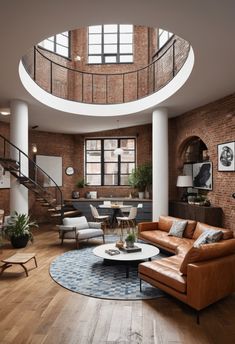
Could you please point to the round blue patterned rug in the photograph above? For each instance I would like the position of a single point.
(82, 272)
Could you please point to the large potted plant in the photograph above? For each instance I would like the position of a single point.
(141, 179)
(18, 230)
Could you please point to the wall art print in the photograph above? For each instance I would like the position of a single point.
(202, 175)
(226, 158)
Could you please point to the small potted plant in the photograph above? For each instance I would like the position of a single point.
(130, 240)
(80, 185)
(18, 230)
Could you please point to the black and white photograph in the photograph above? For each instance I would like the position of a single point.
(202, 175)
(226, 156)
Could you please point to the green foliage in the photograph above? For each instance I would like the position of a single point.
(131, 237)
(141, 177)
(81, 183)
(19, 225)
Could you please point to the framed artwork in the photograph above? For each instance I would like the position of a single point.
(5, 180)
(226, 157)
(52, 165)
(202, 175)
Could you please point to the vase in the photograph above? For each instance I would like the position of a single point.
(19, 242)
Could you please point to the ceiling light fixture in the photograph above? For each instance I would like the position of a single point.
(5, 112)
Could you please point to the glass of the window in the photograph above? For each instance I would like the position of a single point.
(93, 179)
(110, 179)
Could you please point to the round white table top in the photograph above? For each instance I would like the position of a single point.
(148, 251)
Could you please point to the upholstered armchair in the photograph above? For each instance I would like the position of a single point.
(77, 228)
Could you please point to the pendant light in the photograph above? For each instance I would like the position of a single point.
(118, 150)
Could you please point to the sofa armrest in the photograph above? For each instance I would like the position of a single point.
(96, 225)
(147, 226)
(210, 281)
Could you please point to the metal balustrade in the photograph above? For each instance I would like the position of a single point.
(64, 81)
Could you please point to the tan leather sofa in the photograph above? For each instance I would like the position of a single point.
(196, 276)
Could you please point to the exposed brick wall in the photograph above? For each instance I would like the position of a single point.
(71, 149)
(99, 89)
(214, 124)
(143, 136)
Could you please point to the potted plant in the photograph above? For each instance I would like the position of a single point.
(141, 179)
(18, 230)
(130, 240)
(80, 184)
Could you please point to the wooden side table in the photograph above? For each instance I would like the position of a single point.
(20, 259)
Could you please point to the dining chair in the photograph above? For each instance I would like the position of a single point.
(99, 218)
(127, 221)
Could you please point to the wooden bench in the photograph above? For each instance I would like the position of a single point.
(20, 259)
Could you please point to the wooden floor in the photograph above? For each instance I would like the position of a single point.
(35, 309)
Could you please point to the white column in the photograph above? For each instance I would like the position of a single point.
(19, 137)
(160, 162)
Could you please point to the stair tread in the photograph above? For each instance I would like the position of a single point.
(66, 213)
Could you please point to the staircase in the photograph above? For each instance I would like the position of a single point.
(48, 193)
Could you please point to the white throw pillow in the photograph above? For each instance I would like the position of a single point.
(177, 228)
(208, 237)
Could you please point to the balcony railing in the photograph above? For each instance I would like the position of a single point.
(64, 81)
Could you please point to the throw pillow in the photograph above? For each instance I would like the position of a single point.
(214, 236)
(178, 228)
(208, 237)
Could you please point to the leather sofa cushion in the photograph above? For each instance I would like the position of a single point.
(165, 223)
(165, 271)
(202, 227)
(162, 239)
(207, 252)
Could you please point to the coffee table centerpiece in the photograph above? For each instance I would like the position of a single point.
(147, 252)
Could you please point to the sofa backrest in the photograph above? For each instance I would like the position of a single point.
(165, 223)
(202, 227)
(207, 252)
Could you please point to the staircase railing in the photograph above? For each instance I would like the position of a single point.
(69, 83)
(22, 167)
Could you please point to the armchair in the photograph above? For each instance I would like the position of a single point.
(78, 228)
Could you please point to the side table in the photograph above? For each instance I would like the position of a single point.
(20, 259)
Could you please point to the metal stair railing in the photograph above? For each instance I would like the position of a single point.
(28, 173)
(55, 78)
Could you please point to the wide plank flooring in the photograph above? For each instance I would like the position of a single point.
(36, 310)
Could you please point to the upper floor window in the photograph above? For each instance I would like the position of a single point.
(58, 44)
(163, 37)
(111, 43)
(103, 166)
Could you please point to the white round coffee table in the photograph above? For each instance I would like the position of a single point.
(147, 252)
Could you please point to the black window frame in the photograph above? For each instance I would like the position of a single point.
(103, 55)
(102, 161)
(55, 44)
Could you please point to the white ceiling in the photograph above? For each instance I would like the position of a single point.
(208, 25)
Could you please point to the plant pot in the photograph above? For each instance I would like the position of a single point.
(129, 243)
(19, 242)
(75, 194)
(141, 194)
